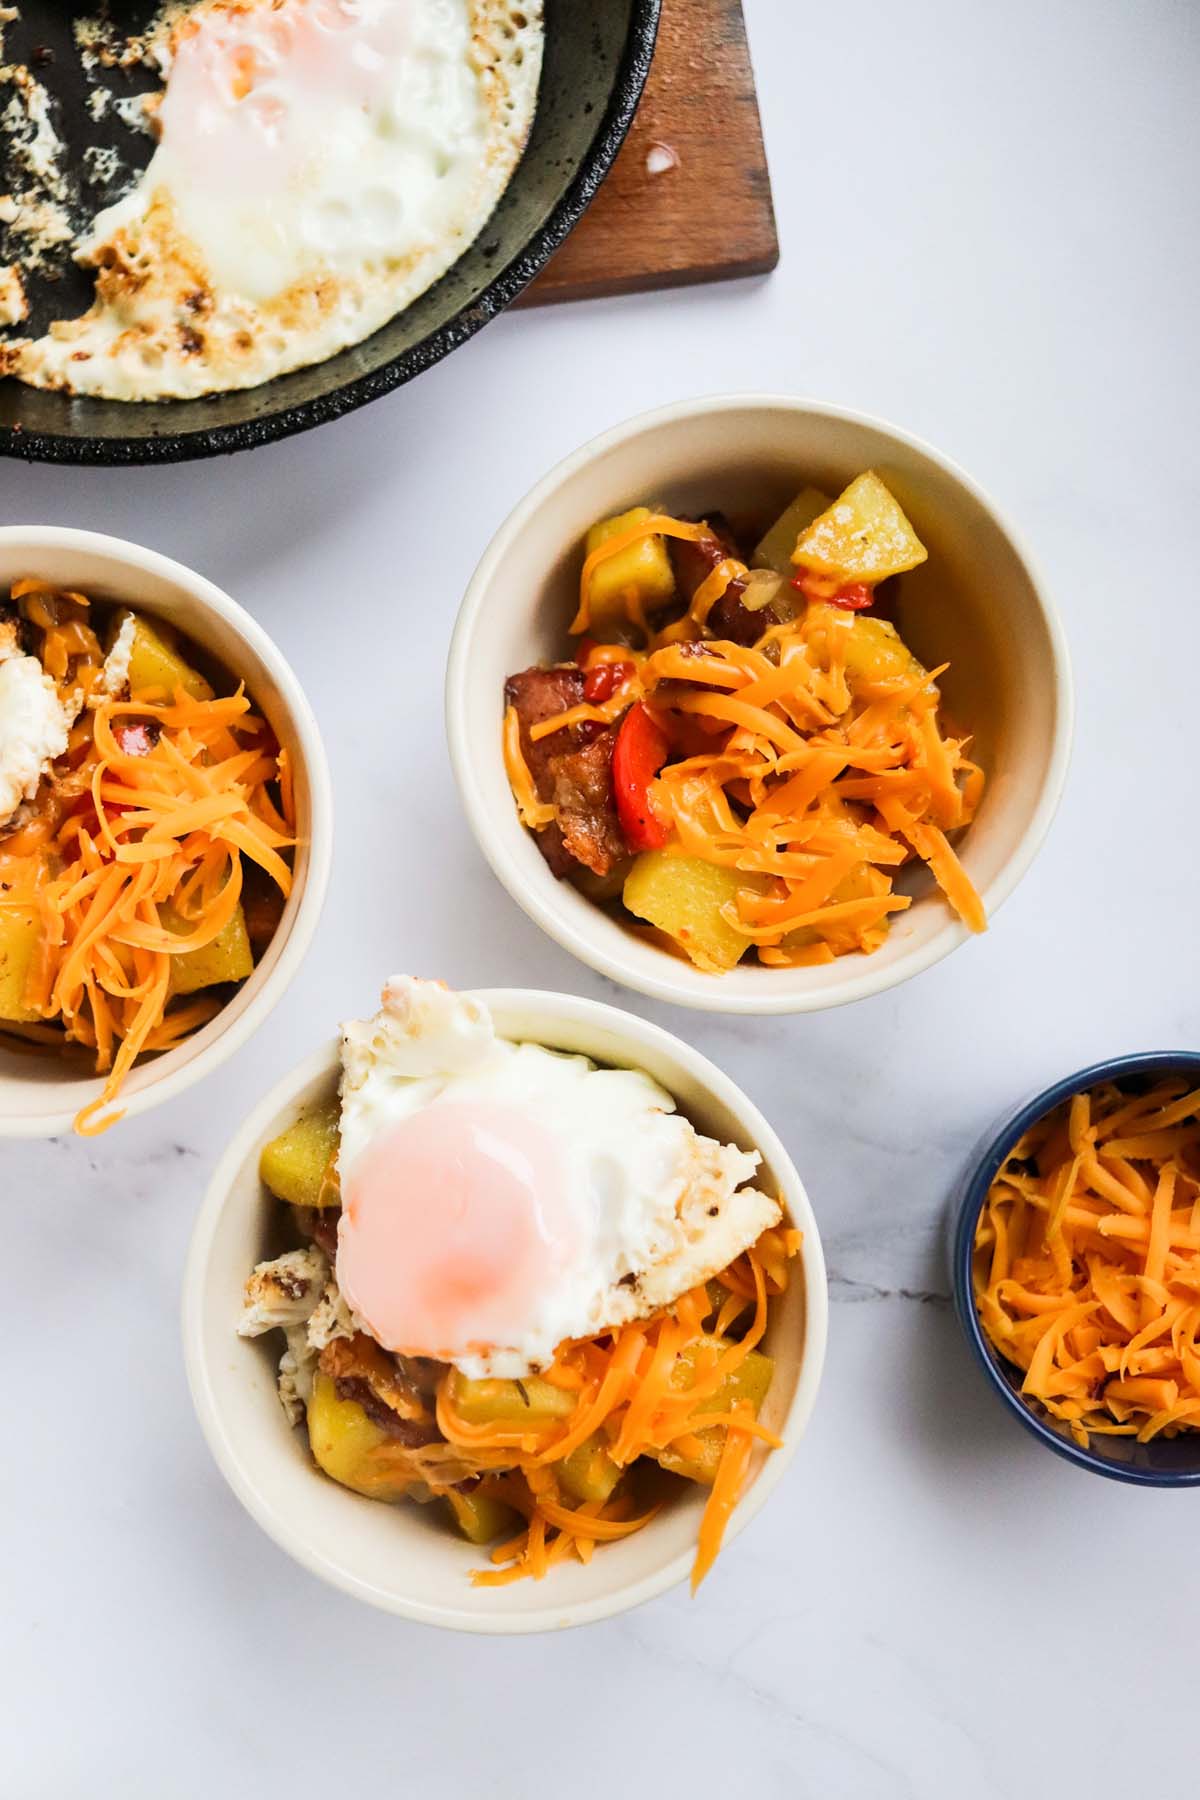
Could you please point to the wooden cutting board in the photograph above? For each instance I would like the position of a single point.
(689, 197)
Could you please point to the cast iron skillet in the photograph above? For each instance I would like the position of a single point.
(596, 60)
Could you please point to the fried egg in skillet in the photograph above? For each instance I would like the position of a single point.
(320, 163)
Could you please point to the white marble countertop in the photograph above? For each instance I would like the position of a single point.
(989, 236)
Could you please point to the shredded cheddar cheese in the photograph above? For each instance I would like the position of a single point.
(656, 525)
(534, 813)
(158, 800)
(815, 761)
(1087, 1262)
(643, 1388)
(731, 1474)
(821, 789)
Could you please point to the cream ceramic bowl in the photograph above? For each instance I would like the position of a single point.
(404, 1558)
(39, 1094)
(977, 604)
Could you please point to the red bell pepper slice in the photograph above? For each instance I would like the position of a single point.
(639, 753)
(602, 682)
(856, 596)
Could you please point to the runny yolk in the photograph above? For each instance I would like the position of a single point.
(455, 1223)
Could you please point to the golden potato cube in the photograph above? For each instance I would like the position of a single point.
(480, 1517)
(293, 1164)
(643, 569)
(20, 929)
(774, 550)
(861, 884)
(155, 662)
(863, 536)
(703, 1463)
(683, 896)
(589, 1472)
(227, 958)
(876, 653)
(871, 650)
(534, 1402)
(343, 1441)
(749, 1381)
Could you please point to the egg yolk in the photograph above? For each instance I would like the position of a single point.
(455, 1222)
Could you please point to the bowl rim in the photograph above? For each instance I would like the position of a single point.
(636, 1033)
(965, 1214)
(537, 899)
(265, 428)
(212, 600)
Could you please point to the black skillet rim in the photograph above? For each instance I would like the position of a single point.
(223, 440)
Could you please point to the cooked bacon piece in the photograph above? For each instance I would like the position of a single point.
(423, 1374)
(320, 1223)
(553, 846)
(571, 769)
(538, 695)
(361, 1371)
(587, 810)
(693, 562)
(392, 1393)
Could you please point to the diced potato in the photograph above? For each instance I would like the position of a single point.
(702, 1465)
(343, 1441)
(683, 896)
(860, 884)
(534, 1401)
(875, 652)
(480, 1517)
(155, 662)
(749, 1381)
(293, 1164)
(775, 547)
(227, 958)
(643, 569)
(863, 536)
(589, 1472)
(20, 928)
(871, 649)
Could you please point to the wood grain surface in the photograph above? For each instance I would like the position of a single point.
(689, 197)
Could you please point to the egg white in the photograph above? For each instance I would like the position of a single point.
(274, 228)
(660, 1207)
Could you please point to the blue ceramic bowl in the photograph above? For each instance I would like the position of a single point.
(1164, 1462)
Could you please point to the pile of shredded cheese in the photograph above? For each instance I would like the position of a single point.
(631, 1388)
(157, 800)
(1087, 1262)
(786, 769)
